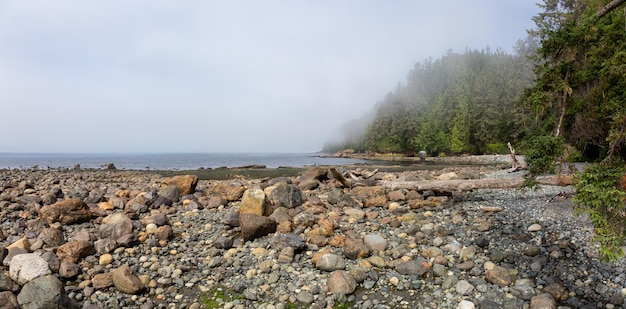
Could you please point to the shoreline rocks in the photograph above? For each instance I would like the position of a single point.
(132, 239)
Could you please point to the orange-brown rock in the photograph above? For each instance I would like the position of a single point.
(65, 212)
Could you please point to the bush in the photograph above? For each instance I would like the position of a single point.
(499, 148)
(600, 194)
(542, 152)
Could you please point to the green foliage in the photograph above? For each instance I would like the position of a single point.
(600, 194)
(458, 104)
(499, 148)
(217, 296)
(542, 152)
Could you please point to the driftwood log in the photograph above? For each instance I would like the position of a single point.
(471, 184)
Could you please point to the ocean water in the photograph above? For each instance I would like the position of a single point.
(182, 161)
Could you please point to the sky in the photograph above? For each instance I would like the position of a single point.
(220, 76)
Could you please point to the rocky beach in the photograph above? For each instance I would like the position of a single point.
(101, 238)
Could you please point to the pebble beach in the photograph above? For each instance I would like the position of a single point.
(102, 238)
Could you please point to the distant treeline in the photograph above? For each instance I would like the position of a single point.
(566, 81)
(460, 103)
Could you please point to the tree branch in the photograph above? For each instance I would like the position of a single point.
(610, 7)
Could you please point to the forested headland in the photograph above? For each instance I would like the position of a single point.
(566, 80)
(560, 96)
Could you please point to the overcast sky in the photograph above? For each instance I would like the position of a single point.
(220, 76)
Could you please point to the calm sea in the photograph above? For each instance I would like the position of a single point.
(184, 161)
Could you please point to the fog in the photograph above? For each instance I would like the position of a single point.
(219, 76)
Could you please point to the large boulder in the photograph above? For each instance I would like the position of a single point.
(26, 267)
(186, 184)
(229, 193)
(75, 250)
(66, 212)
(115, 226)
(253, 202)
(45, 292)
(254, 226)
(286, 195)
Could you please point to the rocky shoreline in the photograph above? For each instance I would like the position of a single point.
(136, 239)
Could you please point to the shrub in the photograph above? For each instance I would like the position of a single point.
(600, 194)
(542, 152)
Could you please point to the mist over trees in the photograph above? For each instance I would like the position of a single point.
(459, 103)
(563, 89)
(566, 80)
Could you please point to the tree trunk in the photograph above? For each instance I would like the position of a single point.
(610, 7)
(471, 184)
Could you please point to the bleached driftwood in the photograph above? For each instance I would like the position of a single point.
(471, 184)
(516, 164)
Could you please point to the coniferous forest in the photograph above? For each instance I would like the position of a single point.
(560, 96)
(566, 79)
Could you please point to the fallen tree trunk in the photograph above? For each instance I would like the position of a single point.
(471, 184)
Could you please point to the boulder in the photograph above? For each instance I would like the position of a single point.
(286, 195)
(45, 292)
(66, 212)
(340, 282)
(295, 241)
(186, 184)
(52, 237)
(75, 250)
(69, 270)
(26, 267)
(102, 281)
(126, 281)
(253, 202)
(375, 242)
(8, 300)
(330, 262)
(115, 226)
(499, 276)
(354, 248)
(167, 196)
(254, 226)
(229, 193)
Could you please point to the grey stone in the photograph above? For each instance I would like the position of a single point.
(223, 242)
(115, 225)
(411, 268)
(305, 297)
(295, 241)
(375, 242)
(45, 292)
(171, 193)
(286, 195)
(330, 262)
(463, 287)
